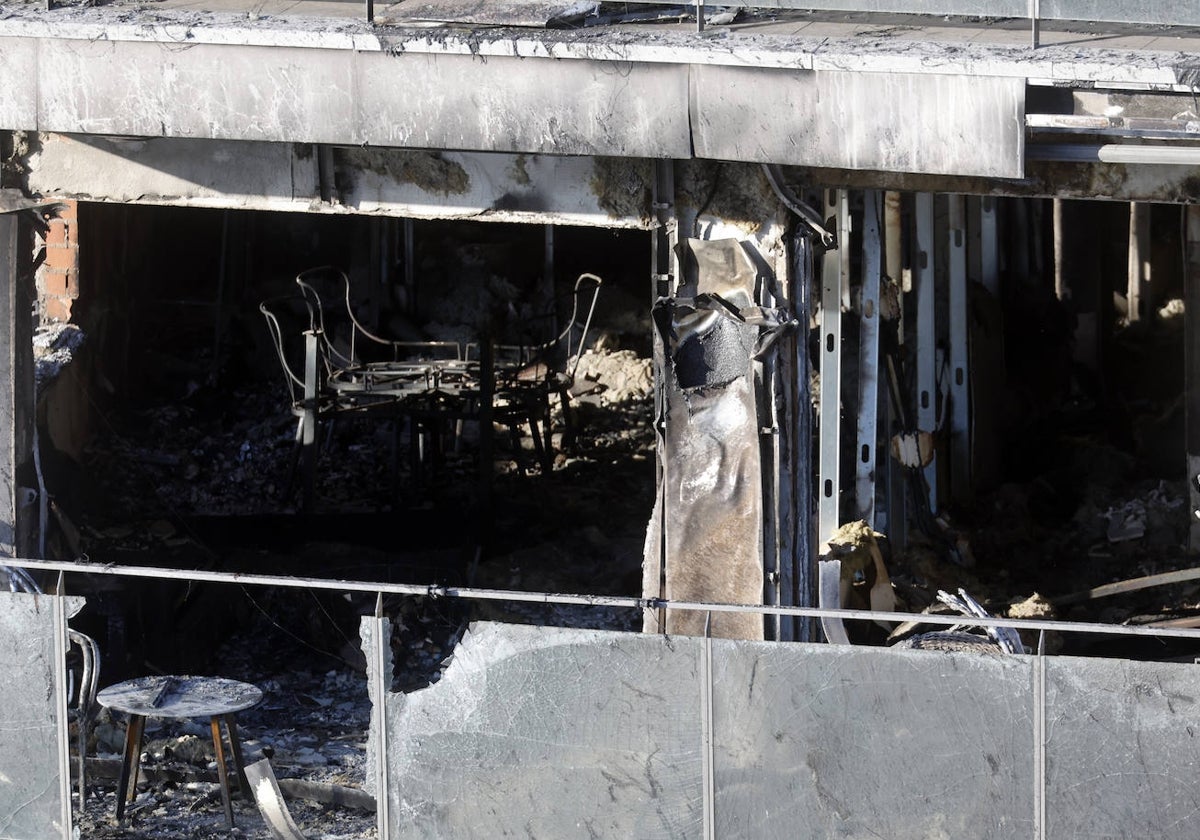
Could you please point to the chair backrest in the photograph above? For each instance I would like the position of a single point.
(288, 318)
(585, 283)
(528, 358)
(326, 288)
(348, 341)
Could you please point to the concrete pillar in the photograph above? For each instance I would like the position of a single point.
(17, 410)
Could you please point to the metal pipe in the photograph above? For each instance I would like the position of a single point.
(619, 601)
(1114, 153)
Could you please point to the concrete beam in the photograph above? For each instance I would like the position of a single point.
(294, 94)
(902, 122)
(407, 92)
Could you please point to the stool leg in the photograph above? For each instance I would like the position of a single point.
(221, 772)
(235, 747)
(127, 785)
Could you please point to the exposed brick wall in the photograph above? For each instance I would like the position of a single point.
(58, 277)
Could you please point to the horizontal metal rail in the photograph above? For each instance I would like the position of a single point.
(619, 601)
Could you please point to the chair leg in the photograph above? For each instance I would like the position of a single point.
(293, 462)
(568, 435)
(539, 448)
(310, 453)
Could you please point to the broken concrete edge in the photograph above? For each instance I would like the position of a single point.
(787, 52)
(611, 721)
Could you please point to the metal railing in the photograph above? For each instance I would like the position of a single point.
(617, 601)
(1186, 14)
(1092, 11)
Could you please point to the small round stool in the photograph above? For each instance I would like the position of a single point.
(215, 698)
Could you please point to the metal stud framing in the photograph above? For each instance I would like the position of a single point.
(960, 429)
(923, 285)
(868, 358)
(835, 269)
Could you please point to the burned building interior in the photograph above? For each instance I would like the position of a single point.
(172, 442)
(437, 415)
(182, 451)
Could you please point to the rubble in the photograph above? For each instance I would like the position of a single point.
(54, 346)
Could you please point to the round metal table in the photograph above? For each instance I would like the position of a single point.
(217, 698)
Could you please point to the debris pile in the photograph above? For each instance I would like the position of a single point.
(613, 377)
(54, 346)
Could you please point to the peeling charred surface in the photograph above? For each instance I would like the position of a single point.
(710, 514)
(427, 170)
(623, 187)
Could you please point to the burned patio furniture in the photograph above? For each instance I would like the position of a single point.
(348, 342)
(437, 383)
(83, 678)
(435, 386)
(529, 375)
(303, 362)
(215, 698)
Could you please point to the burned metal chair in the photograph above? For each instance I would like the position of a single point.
(301, 354)
(348, 343)
(84, 658)
(435, 386)
(529, 375)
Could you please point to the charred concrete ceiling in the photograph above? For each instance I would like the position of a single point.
(224, 108)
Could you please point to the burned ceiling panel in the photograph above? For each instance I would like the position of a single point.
(608, 192)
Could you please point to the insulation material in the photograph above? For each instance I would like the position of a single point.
(706, 540)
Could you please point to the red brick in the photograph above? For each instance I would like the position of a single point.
(56, 309)
(62, 257)
(59, 233)
(60, 283)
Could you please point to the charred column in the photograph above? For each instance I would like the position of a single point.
(16, 381)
